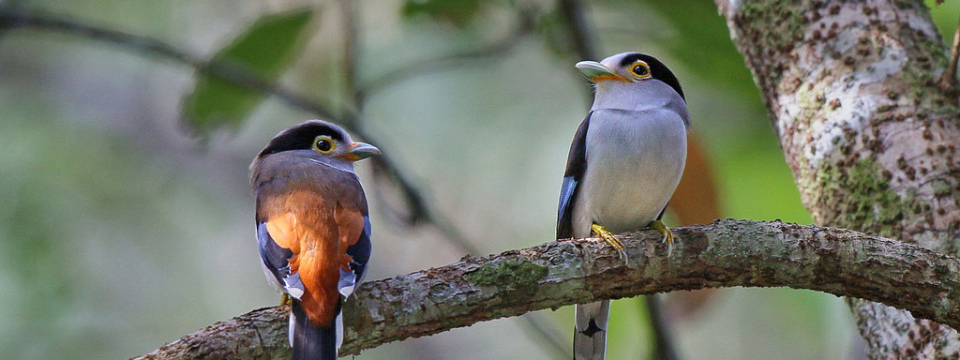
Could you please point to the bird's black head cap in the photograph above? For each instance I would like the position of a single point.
(301, 137)
(658, 70)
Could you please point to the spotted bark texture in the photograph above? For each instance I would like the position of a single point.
(852, 89)
(560, 273)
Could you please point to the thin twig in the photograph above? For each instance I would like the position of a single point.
(351, 34)
(497, 48)
(581, 33)
(950, 78)
(225, 70)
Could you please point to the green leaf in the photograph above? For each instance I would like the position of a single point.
(259, 55)
(458, 13)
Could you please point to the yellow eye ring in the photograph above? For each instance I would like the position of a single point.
(324, 144)
(640, 70)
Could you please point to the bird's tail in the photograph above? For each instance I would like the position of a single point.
(311, 342)
(590, 338)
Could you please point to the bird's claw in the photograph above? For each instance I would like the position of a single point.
(611, 239)
(284, 299)
(667, 234)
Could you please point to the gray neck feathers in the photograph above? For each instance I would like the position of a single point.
(639, 96)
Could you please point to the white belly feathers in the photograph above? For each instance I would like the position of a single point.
(632, 172)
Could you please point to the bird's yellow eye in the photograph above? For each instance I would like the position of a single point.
(324, 144)
(640, 69)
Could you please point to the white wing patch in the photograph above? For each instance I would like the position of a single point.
(293, 286)
(348, 280)
(339, 328)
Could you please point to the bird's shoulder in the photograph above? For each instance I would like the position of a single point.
(288, 169)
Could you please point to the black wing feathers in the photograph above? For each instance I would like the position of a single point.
(576, 166)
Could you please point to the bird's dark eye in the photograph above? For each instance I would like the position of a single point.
(324, 144)
(640, 69)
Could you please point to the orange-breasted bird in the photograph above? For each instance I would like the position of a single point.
(313, 230)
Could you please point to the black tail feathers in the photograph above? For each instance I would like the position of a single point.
(311, 342)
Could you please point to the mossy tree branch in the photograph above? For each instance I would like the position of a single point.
(724, 254)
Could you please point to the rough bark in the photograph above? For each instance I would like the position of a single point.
(870, 137)
(726, 253)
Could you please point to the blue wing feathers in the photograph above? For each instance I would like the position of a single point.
(360, 253)
(564, 214)
(274, 257)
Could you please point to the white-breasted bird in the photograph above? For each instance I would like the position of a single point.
(624, 165)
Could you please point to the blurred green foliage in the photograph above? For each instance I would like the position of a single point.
(702, 43)
(459, 13)
(945, 16)
(264, 50)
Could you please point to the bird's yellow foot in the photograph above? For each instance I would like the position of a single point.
(667, 234)
(285, 299)
(610, 239)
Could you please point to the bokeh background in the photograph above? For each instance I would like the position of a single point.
(122, 228)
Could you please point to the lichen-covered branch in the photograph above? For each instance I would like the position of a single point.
(724, 254)
(853, 92)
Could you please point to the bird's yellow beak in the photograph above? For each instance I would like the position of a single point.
(360, 151)
(595, 71)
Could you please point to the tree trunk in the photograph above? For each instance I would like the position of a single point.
(852, 89)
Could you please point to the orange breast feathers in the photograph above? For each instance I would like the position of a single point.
(317, 231)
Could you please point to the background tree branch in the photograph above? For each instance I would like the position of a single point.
(724, 254)
(12, 19)
(385, 166)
